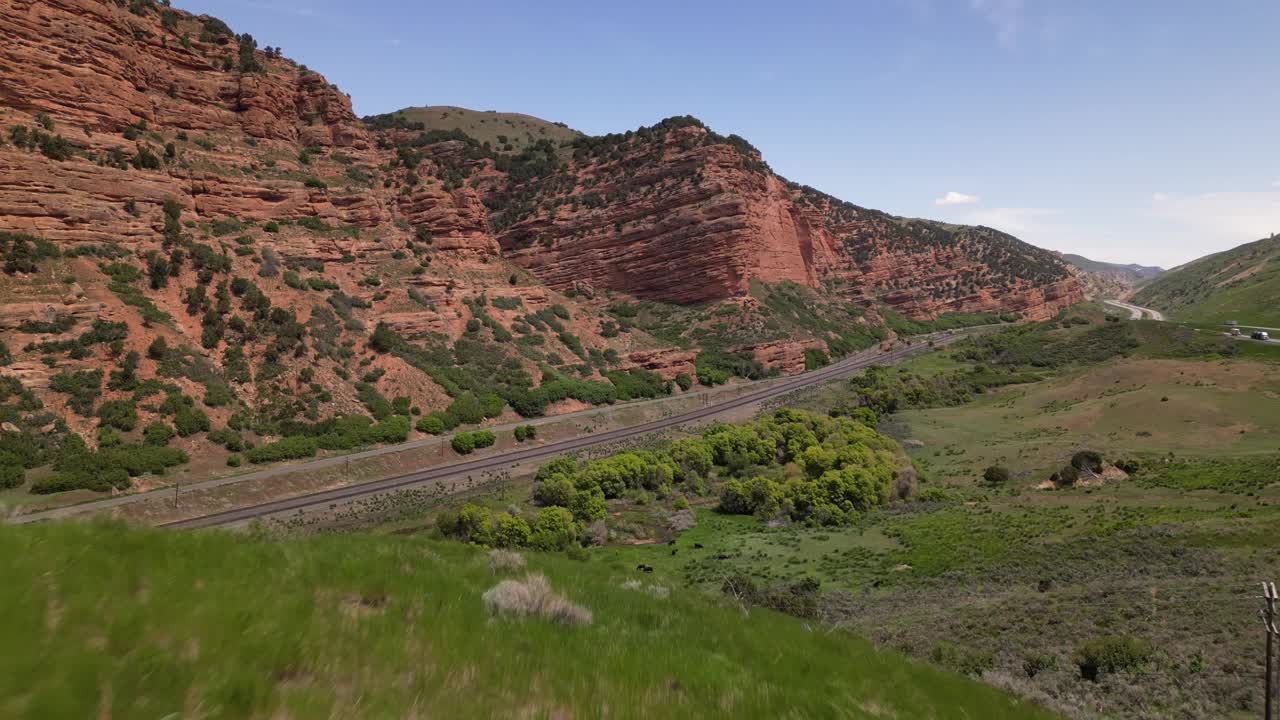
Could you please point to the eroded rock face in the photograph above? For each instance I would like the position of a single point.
(13, 315)
(689, 226)
(786, 355)
(666, 362)
(100, 69)
(684, 216)
(112, 83)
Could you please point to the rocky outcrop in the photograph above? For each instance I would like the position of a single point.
(691, 228)
(13, 315)
(113, 84)
(666, 362)
(786, 356)
(92, 65)
(678, 214)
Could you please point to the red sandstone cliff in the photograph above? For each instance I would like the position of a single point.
(676, 213)
(110, 113)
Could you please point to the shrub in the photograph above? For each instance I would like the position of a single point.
(233, 461)
(996, 475)
(84, 387)
(500, 559)
(588, 505)
(157, 433)
(510, 531)
(684, 381)
(432, 424)
(119, 414)
(466, 442)
(394, 429)
(566, 465)
(189, 421)
(158, 348)
(554, 529)
(525, 432)
(638, 383)
(555, 490)
(289, 448)
(1087, 460)
(217, 394)
(533, 597)
(1111, 654)
(1033, 665)
(1066, 477)
(228, 438)
(965, 660)
(11, 476)
(470, 408)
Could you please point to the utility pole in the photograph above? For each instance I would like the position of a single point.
(1269, 623)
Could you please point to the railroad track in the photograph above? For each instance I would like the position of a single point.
(374, 487)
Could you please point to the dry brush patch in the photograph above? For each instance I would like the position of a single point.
(533, 596)
(500, 560)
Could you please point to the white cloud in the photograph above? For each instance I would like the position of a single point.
(1161, 228)
(1220, 219)
(955, 198)
(1004, 15)
(1015, 221)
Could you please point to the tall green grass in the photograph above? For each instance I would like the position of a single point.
(100, 619)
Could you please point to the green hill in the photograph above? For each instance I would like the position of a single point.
(104, 621)
(1240, 284)
(1084, 263)
(499, 129)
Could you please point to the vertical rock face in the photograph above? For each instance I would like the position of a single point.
(678, 213)
(92, 65)
(112, 84)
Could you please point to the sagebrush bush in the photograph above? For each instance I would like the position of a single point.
(500, 560)
(533, 597)
(1115, 653)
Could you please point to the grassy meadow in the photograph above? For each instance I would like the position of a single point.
(105, 621)
(1009, 582)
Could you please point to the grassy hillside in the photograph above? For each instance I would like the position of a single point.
(496, 128)
(1239, 284)
(103, 621)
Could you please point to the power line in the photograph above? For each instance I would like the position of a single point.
(1269, 627)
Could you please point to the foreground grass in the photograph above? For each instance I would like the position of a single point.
(108, 621)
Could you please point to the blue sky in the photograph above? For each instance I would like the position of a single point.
(1125, 130)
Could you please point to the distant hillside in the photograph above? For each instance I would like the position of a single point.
(1239, 284)
(505, 132)
(1084, 263)
(1109, 280)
